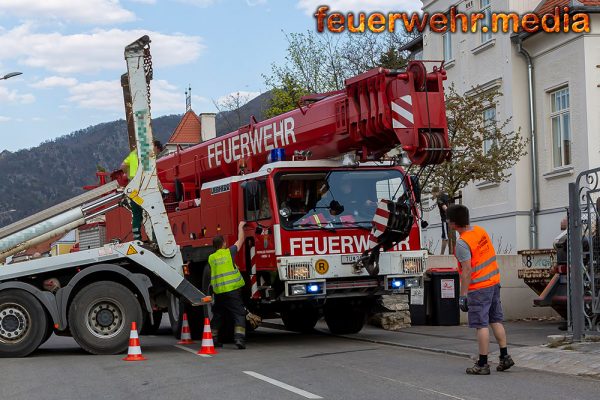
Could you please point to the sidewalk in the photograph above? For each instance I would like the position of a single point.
(526, 341)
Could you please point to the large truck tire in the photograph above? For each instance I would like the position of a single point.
(23, 323)
(195, 317)
(152, 328)
(344, 318)
(300, 319)
(49, 331)
(175, 312)
(100, 317)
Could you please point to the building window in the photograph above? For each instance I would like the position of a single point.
(489, 122)
(561, 127)
(447, 38)
(486, 9)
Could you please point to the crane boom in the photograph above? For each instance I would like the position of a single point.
(376, 112)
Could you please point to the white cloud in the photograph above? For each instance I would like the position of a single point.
(13, 96)
(88, 11)
(310, 6)
(54, 81)
(4, 119)
(144, 1)
(253, 3)
(108, 95)
(238, 98)
(99, 50)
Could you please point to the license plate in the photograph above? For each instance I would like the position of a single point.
(350, 258)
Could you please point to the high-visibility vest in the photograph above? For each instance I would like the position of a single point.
(132, 162)
(224, 275)
(318, 219)
(484, 268)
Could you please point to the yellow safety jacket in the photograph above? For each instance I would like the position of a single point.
(224, 275)
(132, 162)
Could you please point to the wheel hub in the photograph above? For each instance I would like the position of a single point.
(105, 319)
(14, 322)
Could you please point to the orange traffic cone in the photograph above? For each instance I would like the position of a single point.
(186, 336)
(135, 352)
(208, 346)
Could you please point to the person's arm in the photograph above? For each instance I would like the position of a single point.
(463, 255)
(465, 277)
(241, 235)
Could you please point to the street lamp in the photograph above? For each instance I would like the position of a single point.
(10, 75)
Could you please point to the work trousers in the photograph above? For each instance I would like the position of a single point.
(137, 216)
(229, 303)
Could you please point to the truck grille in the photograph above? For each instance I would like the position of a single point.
(414, 265)
(299, 270)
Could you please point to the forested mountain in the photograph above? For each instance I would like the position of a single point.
(37, 178)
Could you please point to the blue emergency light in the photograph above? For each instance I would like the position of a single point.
(397, 283)
(313, 288)
(276, 155)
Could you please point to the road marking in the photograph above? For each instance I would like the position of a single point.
(191, 351)
(282, 385)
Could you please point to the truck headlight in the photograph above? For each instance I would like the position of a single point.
(298, 290)
(413, 282)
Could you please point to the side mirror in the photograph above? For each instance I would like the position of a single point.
(285, 212)
(335, 208)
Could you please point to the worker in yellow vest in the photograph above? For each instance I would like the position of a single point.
(227, 283)
(479, 287)
(130, 167)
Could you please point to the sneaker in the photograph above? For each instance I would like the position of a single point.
(505, 363)
(477, 370)
(240, 344)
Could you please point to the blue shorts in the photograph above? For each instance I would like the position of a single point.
(485, 307)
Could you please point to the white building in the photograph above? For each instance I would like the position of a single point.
(566, 104)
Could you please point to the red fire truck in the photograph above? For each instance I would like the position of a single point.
(331, 224)
(310, 184)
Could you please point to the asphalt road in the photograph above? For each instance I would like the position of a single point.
(277, 365)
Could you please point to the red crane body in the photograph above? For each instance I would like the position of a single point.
(377, 111)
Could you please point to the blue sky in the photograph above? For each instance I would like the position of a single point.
(71, 55)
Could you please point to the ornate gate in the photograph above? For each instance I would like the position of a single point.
(584, 254)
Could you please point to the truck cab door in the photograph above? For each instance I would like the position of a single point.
(258, 213)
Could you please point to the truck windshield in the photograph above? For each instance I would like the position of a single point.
(334, 199)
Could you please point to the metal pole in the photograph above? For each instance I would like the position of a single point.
(576, 267)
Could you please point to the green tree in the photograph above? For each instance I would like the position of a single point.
(285, 96)
(482, 147)
(469, 131)
(320, 63)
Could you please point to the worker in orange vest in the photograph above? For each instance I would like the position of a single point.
(479, 287)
